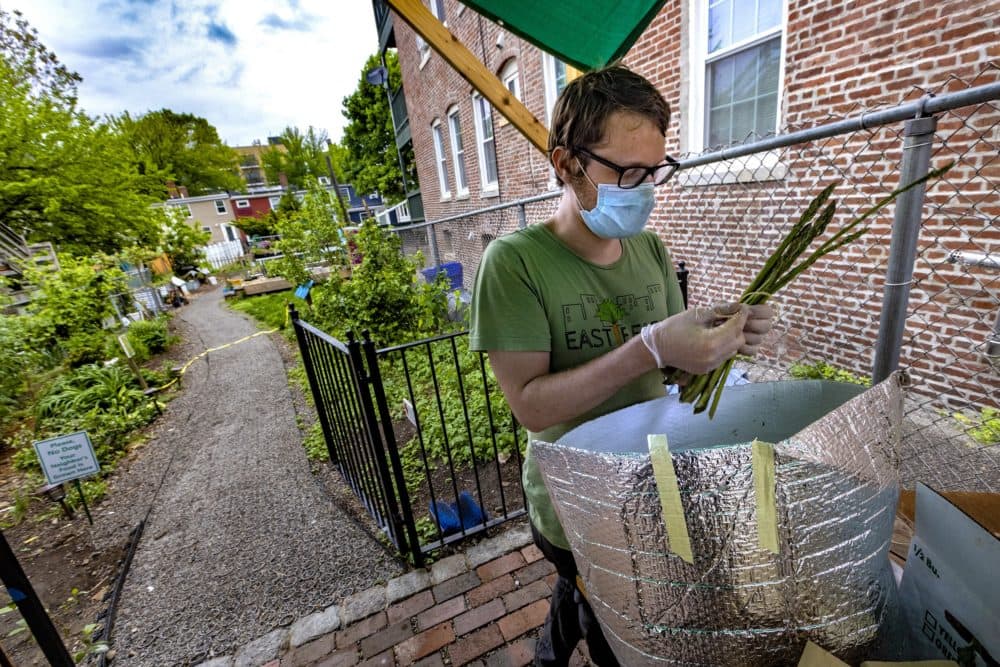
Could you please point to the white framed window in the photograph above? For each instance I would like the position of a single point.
(437, 9)
(323, 180)
(220, 206)
(229, 232)
(273, 202)
(510, 79)
(242, 203)
(485, 143)
(440, 159)
(556, 74)
(457, 152)
(187, 208)
(207, 229)
(736, 53)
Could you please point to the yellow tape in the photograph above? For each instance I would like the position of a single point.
(670, 496)
(762, 460)
(212, 349)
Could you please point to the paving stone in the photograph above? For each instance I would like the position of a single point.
(456, 586)
(430, 661)
(224, 661)
(500, 566)
(409, 584)
(536, 570)
(478, 617)
(386, 638)
(446, 568)
(424, 644)
(475, 645)
(312, 626)
(440, 613)
(531, 553)
(384, 659)
(487, 550)
(410, 606)
(536, 590)
(362, 604)
(525, 619)
(361, 629)
(515, 654)
(346, 658)
(489, 591)
(308, 654)
(262, 649)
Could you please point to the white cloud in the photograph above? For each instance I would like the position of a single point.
(251, 67)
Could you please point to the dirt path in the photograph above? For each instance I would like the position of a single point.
(242, 537)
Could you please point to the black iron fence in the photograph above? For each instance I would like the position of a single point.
(420, 432)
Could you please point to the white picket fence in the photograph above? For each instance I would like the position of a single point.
(226, 252)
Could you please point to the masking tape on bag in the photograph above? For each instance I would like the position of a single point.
(670, 497)
(762, 461)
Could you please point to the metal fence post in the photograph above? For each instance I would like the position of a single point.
(31, 608)
(392, 447)
(917, 143)
(522, 216)
(307, 362)
(364, 380)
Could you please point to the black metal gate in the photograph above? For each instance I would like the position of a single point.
(455, 484)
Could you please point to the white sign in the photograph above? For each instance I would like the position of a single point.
(126, 346)
(67, 457)
(411, 414)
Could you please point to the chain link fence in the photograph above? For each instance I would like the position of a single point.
(724, 215)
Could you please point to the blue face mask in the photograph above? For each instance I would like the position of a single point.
(620, 213)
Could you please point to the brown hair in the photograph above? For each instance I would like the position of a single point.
(587, 102)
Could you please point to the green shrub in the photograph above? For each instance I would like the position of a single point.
(148, 335)
(85, 347)
(15, 355)
(984, 428)
(271, 310)
(821, 370)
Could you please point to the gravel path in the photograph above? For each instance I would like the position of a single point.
(242, 537)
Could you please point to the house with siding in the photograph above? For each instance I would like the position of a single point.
(735, 71)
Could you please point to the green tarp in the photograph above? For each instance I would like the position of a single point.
(584, 33)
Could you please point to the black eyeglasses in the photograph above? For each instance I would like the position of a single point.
(630, 177)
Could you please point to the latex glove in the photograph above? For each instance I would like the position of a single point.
(758, 324)
(698, 340)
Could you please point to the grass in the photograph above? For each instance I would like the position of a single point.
(271, 310)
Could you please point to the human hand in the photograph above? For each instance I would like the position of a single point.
(697, 340)
(758, 325)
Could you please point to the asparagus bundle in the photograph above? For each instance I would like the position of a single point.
(784, 265)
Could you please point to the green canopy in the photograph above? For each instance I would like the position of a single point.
(584, 33)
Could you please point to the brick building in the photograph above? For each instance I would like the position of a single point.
(733, 71)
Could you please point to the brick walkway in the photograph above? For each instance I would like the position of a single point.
(482, 607)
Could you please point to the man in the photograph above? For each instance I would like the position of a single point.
(579, 312)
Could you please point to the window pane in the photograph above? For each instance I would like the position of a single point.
(744, 19)
(768, 14)
(721, 76)
(560, 76)
(490, 156)
(743, 121)
(719, 23)
(768, 64)
(767, 114)
(718, 127)
(745, 75)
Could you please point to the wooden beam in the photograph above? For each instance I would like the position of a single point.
(414, 13)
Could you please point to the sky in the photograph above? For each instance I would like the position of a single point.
(250, 67)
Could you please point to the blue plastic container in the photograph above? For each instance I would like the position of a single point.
(452, 269)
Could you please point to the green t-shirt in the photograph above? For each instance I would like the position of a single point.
(534, 294)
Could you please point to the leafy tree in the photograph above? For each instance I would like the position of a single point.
(63, 175)
(311, 233)
(181, 241)
(75, 299)
(180, 147)
(369, 138)
(301, 157)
